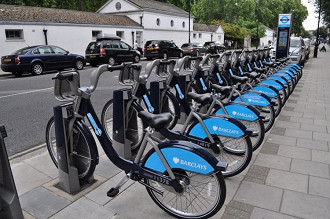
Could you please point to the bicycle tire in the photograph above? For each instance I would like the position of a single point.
(258, 135)
(269, 120)
(170, 104)
(135, 135)
(279, 105)
(201, 191)
(87, 148)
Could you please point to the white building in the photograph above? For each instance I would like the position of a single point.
(269, 36)
(141, 20)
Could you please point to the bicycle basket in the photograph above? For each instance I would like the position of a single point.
(129, 75)
(62, 87)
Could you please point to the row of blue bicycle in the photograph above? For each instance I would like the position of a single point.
(184, 124)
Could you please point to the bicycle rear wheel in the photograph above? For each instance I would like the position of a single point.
(84, 153)
(258, 134)
(170, 104)
(203, 195)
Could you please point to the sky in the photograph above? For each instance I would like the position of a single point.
(311, 22)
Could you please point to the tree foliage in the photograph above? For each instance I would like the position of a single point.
(250, 15)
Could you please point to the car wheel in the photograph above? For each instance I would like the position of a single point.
(180, 54)
(165, 56)
(111, 61)
(136, 58)
(79, 64)
(37, 68)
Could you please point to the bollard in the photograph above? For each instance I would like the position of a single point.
(10, 208)
(120, 143)
(68, 174)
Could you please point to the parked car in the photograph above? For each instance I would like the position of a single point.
(109, 49)
(193, 49)
(214, 47)
(307, 42)
(161, 49)
(37, 59)
(297, 51)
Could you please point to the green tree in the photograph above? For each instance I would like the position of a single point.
(323, 32)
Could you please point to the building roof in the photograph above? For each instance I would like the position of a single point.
(205, 27)
(153, 5)
(52, 15)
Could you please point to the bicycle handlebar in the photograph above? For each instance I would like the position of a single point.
(65, 75)
(167, 62)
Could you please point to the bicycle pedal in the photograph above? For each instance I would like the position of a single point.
(112, 192)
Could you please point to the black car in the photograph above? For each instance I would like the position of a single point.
(161, 49)
(37, 59)
(109, 49)
(193, 49)
(214, 47)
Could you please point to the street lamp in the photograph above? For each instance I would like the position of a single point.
(316, 47)
(189, 20)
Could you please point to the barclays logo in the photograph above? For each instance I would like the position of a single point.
(177, 160)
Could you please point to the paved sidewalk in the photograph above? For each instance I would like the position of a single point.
(288, 177)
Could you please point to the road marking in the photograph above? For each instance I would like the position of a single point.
(28, 92)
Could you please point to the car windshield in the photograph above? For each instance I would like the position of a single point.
(150, 43)
(93, 45)
(294, 43)
(22, 51)
(197, 45)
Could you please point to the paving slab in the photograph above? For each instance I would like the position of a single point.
(27, 178)
(259, 195)
(282, 140)
(259, 213)
(312, 144)
(321, 136)
(44, 164)
(319, 186)
(310, 168)
(295, 152)
(310, 127)
(42, 203)
(286, 180)
(305, 206)
(321, 156)
(84, 208)
(273, 161)
(299, 133)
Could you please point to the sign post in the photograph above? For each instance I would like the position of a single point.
(283, 35)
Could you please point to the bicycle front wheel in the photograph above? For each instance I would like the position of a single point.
(135, 126)
(170, 104)
(83, 154)
(203, 195)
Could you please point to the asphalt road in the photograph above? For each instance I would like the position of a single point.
(26, 104)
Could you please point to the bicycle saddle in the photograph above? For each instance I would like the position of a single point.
(221, 89)
(200, 98)
(156, 121)
(252, 75)
(239, 79)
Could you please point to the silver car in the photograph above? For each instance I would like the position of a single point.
(297, 51)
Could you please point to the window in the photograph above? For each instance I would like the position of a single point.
(95, 33)
(172, 23)
(14, 34)
(194, 36)
(124, 46)
(158, 21)
(45, 50)
(120, 34)
(183, 24)
(59, 50)
(118, 6)
(200, 35)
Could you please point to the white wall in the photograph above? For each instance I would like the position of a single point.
(179, 37)
(268, 36)
(149, 21)
(69, 37)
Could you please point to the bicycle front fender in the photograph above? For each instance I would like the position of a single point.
(255, 99)
(239, 111)
(183, 155)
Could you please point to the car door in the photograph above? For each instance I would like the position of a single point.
(126, 52)
(63, 59)
(47, 55)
